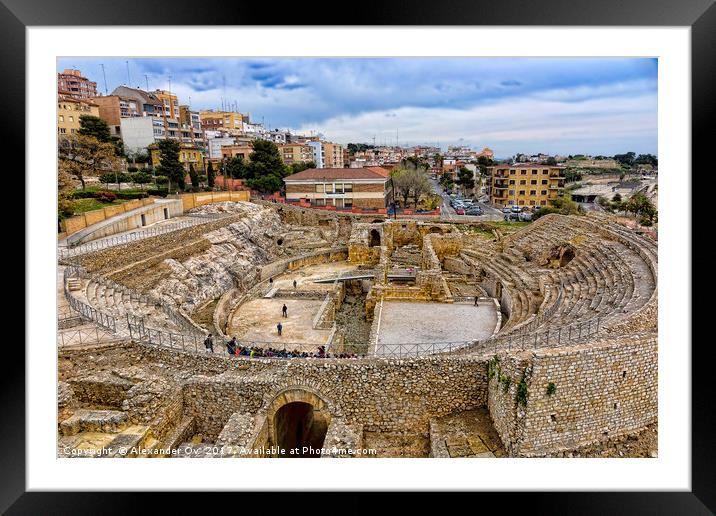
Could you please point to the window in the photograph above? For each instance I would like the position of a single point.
(330, 188)
(320, 202)
(533, 192)
(347, 203)
(522, 192)
(545, 181)
(522, 203)
(319, 189)
(532, 203)
(544, 192)
(523, 181)
(533, 182)
(72, 119)
(523, 172)
(545, 171)
(512, 172)
(534, 172)
(512, 181)
(512, 192)
(63, 130)
(62, 118)
(543, 203)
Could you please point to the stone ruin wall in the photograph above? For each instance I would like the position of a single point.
(593, 399)
(382, 395)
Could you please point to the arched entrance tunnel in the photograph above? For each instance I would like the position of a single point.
(297, 426)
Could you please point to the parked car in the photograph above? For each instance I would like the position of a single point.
(525, 216)
(475, 210)
(516, 209)
(506, 209)
(512, 217)
(460, 211)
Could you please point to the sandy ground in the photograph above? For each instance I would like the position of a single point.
(306, 276)
(256, 321)
(435, 324)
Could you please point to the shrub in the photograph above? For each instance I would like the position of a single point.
(141, 178)
(107, 197)
(162, 180)
(521, 396)
(132, 169)
(130, 195)
(551, 388)
(158, 192)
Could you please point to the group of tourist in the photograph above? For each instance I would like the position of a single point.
(233, 347)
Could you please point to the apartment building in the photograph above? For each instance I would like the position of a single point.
(524, 184)
(69, 110)
(342, 188)
(296, 153)
(230, 121)
(112, 108)
(71, 83)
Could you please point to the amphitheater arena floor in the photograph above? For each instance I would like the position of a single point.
(434, 323)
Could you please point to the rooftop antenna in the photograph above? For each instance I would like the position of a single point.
(105, 79)
(129, 80)
(396, 137)
(146, 78)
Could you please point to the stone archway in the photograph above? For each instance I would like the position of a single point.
(374, 238)
(298, 420)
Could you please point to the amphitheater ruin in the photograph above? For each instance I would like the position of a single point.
(441, 339)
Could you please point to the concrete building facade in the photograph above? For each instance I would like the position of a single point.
(69, 110)
(524, 185)
(340, 187)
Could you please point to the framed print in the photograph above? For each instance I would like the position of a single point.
(392, 241)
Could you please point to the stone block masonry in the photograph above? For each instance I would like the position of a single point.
(599, 390)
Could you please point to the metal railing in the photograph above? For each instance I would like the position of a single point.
(78, 248)
(86, 336)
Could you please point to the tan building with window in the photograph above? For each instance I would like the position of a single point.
(342, 188)
(333, 155)
(525, 185)
(69, 111)
(295, 153)
(222, 120)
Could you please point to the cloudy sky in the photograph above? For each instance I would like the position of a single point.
(565, 106)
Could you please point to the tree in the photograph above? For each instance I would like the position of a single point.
(210, 175)
(193, 176)
(236, 167)
(95, 127)
(141, 178)
(551, 161)
(465, 178)
(265, 169)
(269, 183)
(640, 205)
(81, 156)
(295, 168)
(626, 159)
(410, 183)
(446, 181)
(563, 205)
(169, 164)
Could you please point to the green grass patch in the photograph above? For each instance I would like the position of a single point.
(83, 205)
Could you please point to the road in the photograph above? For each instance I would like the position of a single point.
(489, 213)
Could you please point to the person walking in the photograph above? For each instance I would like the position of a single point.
(284, 310)
(270, 282)
(209, 344)
(294, 284)
(231, 346)
(279, 327)
(475, 300)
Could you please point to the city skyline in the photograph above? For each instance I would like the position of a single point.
(598, 106)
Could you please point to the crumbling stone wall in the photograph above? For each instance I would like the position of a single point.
(601, 390)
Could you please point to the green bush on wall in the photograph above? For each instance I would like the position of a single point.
(551, 388)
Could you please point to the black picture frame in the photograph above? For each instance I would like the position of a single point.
(699, 15)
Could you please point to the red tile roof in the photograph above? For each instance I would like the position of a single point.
(318, 174)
